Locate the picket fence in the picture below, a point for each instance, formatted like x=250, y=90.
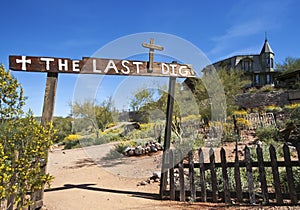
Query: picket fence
x=248, y=183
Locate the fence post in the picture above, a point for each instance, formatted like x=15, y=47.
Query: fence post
x=237, y=177
x=249, y=176
x=192, y=175
x=225, y=176
x=171, y=171
x=289, y=173
x=275, y=173
x=202, y=176
x=262, y=175
x=181, y=176
x=213, y=175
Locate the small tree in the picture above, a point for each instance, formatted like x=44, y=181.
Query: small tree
x=23, y=146
x=98, y=116
x=289, y=64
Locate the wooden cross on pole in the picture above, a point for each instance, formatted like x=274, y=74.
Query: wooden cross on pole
x=169, y=113
x=151, y=47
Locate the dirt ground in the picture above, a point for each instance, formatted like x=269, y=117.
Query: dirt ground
x=84, y=181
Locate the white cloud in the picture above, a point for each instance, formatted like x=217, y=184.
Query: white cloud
x=243, y=29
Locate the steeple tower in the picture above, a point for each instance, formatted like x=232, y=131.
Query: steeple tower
x=267, y=57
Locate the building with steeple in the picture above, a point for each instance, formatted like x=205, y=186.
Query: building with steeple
x=257, y=68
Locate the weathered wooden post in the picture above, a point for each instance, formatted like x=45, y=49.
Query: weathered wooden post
x=167, y=140
x=170, y=104
x=47, y=116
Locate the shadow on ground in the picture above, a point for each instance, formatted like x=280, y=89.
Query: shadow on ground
x=152, y=196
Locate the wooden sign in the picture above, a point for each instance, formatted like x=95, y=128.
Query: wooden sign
x=98, y=66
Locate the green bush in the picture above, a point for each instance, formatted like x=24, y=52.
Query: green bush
x=72, y=144
x=266, y=134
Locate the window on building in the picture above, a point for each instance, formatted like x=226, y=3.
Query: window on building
x=257, y=79
x=247, y=66
x=272, y=63
x=268, y=79
x=267, y=62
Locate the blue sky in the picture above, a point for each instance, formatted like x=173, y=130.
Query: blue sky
x=74, y=29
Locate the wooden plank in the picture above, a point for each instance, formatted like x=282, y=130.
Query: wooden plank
x=262, y=175
x=225, y=176
x=202, y=176
x=171, y=172
x=102, y=66
x=192, y=175
x=275, y=173
x=181, y=176
x=237, y=178
x=242, y=164
x=249, y=176
x=167, y=140
x=213, y=175
x=289, y=173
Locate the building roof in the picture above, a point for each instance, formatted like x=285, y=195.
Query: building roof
x=289, y=75
x=266, y=48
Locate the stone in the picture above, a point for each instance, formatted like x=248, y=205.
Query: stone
x=158, y=146
x=130, y=153
x=156, y=175
x=143, y=183
x=153, y=149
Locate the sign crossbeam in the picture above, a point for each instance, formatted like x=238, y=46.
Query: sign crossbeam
x=107, y=66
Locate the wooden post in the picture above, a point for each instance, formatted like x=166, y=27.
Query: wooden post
x=181, y=176
x=213, y=172
x=225, y=176
x=262, y=175
x=49, y=98
x=275, y=172
x=289, y=173
x=47, y=115
x=171, y=169
x=249, y=176
x=168, y=129
x=192, y=175
x=202, y=176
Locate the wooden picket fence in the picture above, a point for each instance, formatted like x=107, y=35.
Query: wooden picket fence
x=211, y=181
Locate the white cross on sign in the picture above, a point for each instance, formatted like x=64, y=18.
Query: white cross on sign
x=151, y=47
x=24, y=62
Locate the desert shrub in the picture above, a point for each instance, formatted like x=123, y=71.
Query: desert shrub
x=198, y=142
x=295, y=115
x=290, y=107
x=267, y=88
x=265, y=134
x=72, y=141
x=283, y=177
x=272, y=108
x=23, y=146
x=72, y=144
x=118, y=149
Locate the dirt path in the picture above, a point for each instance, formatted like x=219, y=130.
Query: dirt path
x=82, y=184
